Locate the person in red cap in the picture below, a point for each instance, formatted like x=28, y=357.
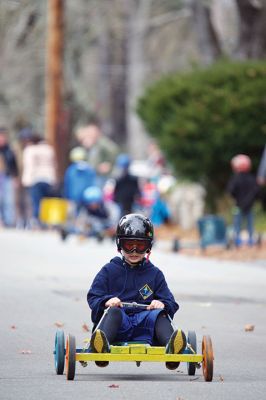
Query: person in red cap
x=244, y=189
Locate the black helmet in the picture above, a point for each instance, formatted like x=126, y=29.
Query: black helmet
x=134, y=226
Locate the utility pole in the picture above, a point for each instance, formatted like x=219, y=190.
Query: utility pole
x=54, y=79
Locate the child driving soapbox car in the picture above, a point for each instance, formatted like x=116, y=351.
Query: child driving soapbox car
x=132, y=351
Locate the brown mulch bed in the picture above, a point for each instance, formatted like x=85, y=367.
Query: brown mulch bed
x=244, y=253
x=189, y=241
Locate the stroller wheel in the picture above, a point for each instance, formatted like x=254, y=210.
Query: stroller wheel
x=99, y=237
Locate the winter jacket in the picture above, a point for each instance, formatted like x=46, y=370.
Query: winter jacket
x=78, y=177
x=9, y=161
x=244, y=189
x=39, y=164
x=126, y=191
x=140, y=284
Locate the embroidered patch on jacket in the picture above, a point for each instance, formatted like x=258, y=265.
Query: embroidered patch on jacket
x=146, y=291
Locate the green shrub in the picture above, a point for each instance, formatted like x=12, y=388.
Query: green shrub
x=203, y=118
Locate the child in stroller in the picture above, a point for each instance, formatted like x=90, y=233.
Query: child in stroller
x=96, y=217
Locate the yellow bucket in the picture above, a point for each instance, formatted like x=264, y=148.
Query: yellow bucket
x=53, y=211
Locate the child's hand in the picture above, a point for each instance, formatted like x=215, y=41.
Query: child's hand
x=113, y=302
x=155, y=304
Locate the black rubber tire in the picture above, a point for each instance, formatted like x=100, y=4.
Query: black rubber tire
x=70, y=357
x=192, y=340
x=59, y=352
x=207, y=363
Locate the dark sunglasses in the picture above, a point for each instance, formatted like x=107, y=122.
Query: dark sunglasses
x=139, y=246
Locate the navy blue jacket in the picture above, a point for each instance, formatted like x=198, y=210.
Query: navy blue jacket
x=140, y=284
x=9, y=160
x=244, y=189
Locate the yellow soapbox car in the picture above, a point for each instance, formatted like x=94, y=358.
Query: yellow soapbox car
x=67, y=353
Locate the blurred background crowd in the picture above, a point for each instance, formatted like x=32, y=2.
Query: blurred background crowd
x=101, y=183
x=100, y=180
x=138, y=106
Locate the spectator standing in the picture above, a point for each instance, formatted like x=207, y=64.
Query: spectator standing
x=8, y=181
x=38, y=173
x=244, y=189
x=126, y=188
x=101, y=151
x=78, y=176
x=24, y=138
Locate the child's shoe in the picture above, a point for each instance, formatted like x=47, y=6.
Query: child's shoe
x=176, y=345
x=99, y=344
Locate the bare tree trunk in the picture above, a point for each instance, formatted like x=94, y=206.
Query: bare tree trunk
x=104, y=88
x=118, y=101
x=208, y=43
x=252, y=29
x=123, y=69
x=139, y=17
x=111, y=104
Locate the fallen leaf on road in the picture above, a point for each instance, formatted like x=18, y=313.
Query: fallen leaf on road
x=221, y=379
x=249, y=328
x=85, y=328
x=59, y=324
x=113, y=386
x=25, y=352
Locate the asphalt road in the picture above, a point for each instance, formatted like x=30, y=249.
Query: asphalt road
x=43, y=283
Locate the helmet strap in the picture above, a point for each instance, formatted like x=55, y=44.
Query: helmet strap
x=148, y=255
x=118, y=246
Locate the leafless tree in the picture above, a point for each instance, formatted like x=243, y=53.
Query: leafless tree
x=252, y=29
x=207, y=39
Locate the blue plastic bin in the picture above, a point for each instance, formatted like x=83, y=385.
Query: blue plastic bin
x=212, y=230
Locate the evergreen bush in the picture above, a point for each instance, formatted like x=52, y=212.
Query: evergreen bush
x=203, y=118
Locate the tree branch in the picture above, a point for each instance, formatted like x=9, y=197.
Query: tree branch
x=169, y=17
